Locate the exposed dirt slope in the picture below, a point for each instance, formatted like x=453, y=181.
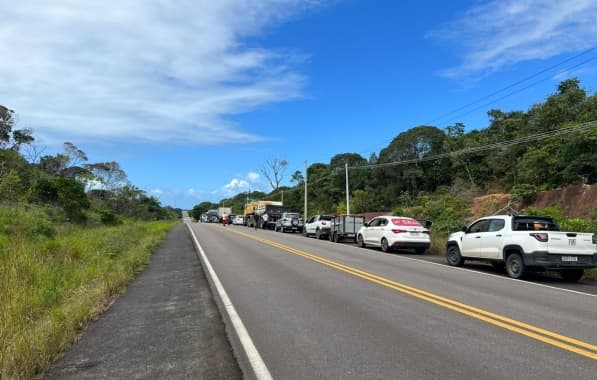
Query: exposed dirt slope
x=575, y=201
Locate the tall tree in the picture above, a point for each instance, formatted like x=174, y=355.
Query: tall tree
x=10, y=139
x=274, y=170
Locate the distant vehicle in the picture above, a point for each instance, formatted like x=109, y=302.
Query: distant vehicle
x=238, y=220
x=211, y=216
x=345, y=227
x=289, y=221
x=254, y=212
x=388, y=232
x=319, y=226
x=524, y=243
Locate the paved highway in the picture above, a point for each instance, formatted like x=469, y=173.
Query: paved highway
x=319, y=310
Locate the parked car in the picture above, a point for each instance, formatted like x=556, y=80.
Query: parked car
x=524, y=243
x=289, y=221
x=388, y=232
x=319, y=226
x=238, y=220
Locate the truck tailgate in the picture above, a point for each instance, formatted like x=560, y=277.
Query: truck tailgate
x=571, y=243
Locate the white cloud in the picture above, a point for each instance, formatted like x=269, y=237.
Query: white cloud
x=236, y=184
x=502, y=33
x=253, y=177
x=146, y=71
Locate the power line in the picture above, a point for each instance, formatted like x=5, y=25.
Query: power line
x=515, y=84
x=529, y=138
x=523, y=88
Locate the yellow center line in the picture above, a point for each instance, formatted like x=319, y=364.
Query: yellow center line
x=570, y=344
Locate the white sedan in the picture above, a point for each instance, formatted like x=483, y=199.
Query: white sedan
x=389, y=232
x=239, y=220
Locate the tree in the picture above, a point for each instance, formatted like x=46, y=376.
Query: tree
x=109, y=174
x=274, y=171
x=297, y=177
x=72, y=198
x=70, y=164
x=10, y=139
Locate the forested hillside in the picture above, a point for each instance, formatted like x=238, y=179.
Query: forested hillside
x=433, y=172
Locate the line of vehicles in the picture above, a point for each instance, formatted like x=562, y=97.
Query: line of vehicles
x=520, y=244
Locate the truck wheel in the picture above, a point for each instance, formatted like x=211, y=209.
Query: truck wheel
x=572, y=274
x=336, y=237
x=384, y=245
x=454, y=257
x=515, y=266
x=305, y=234
x=317, y=234
x=360, y=241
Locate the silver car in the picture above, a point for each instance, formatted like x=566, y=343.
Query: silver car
x=289, y=221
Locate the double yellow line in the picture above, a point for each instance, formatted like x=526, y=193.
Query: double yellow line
x=569, y=344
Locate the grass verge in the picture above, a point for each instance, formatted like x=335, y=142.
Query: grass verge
x=54, y=281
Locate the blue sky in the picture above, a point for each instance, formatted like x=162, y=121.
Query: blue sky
x=192, y=97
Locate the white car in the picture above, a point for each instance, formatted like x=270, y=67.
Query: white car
x=388, y=232
x=238, y=219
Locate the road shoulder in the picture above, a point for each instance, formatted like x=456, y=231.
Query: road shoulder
x=165, y=326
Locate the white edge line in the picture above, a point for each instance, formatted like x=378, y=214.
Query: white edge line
x=257, y=364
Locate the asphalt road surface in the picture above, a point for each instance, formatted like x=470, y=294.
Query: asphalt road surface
x=299, y=308
x=314, y=309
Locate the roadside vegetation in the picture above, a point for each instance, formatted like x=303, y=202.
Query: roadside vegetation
x=72, y=236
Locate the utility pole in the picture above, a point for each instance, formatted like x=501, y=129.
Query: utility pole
x=282, y=196
x=347, y=193
x=306, y=192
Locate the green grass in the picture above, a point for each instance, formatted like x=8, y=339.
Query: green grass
x=55, y=278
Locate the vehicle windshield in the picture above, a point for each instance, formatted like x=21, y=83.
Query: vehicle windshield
x=326, y=217
x=294, y=215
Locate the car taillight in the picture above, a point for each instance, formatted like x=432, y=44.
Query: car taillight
x=398, y=231
x=542, y=237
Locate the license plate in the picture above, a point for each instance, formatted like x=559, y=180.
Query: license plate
x=569, y=258
x=414, y=234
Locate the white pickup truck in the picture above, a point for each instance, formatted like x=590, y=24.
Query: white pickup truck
x=524, y=243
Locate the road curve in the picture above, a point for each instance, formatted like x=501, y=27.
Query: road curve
x=315, y=309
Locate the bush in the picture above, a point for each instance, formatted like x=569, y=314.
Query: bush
x=525, y=192
x=108, y=217
x=448, y=212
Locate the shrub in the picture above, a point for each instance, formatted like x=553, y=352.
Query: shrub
x=525, y=192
